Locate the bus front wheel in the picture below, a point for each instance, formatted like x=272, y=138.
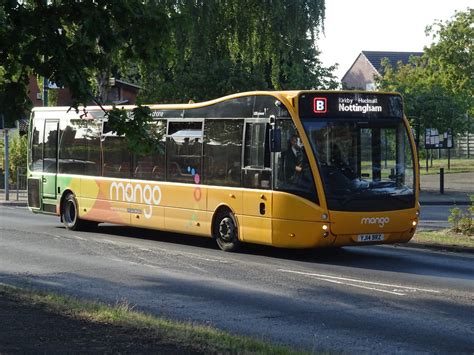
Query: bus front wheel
x=70, y=215
x=226, y=232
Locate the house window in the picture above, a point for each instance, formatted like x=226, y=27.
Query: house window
x=114, y=94
x=370, y=86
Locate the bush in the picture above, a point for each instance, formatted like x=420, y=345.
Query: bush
x=18, y=154
x=461, y=221
x=18, y=150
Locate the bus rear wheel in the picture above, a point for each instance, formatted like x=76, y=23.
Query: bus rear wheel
x=70, y=215
x=226, y=232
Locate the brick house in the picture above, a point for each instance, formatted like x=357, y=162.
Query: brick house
x=120, y=92
x=368, y=65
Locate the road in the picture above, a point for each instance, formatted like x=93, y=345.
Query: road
x=435, y=217
x=368, y=299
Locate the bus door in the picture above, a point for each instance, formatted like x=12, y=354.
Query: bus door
x=50, y=158
x=257, y=180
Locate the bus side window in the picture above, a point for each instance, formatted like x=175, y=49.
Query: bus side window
x=36, y=162
x=116, y=157
x=50, y=151
x=184, y=152
x=291, y=165
x=223, y=152
x=256, y=171
x=72, y=148
x=93, y=149
x=79, y=147
x=152, y=166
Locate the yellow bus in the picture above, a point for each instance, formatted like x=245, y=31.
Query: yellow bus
x=290, y=169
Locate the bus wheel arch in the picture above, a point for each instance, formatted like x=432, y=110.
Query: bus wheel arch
x=69, y=211
x=225, y=229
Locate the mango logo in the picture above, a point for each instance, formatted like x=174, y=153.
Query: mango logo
x=381, y=221
x=136, y=194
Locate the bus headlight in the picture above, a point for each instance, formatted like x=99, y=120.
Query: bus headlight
x=414, y=223
x=325, y=228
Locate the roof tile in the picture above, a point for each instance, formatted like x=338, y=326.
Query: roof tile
x=375, y=58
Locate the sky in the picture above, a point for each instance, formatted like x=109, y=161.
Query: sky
x=377, y=25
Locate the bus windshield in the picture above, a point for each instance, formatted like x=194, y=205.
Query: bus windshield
x=364, y=165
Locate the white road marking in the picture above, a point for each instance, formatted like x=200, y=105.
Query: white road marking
x=130, y=262
x=144, y=249
x=364, y=287
x=80, y=238
x=345, y=280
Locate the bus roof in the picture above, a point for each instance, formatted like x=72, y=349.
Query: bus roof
x=287, y=95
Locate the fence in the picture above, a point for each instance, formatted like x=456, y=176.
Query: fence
x=17, y=186
x=465, y=146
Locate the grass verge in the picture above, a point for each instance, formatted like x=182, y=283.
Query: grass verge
x=456, y=166
x=192, y=337
x=443, y=237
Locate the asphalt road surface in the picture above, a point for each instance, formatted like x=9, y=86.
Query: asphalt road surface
x=435, y=217
x=368, y=299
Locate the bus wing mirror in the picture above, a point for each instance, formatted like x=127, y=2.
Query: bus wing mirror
x=275, y=143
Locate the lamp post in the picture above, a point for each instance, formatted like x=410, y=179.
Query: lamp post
x=45, y=91
x=7, y=163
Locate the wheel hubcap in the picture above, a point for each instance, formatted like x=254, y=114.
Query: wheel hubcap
x=227, y=229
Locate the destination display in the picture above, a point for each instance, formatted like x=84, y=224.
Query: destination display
x=350, y=105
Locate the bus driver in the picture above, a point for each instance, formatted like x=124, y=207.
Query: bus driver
x=293, y=160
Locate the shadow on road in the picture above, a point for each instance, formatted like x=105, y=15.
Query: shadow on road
x=311, y=309
x=381, y=258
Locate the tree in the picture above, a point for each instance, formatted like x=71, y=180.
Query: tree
x=18, y=152
x=72, y=43
x=438, y=86
x=17, y=155
x=428, y=104
x=452, y=52
x=221, y=47
x=180, y=50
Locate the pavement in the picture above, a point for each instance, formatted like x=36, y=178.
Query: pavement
x=457, y=189
x=20, y=200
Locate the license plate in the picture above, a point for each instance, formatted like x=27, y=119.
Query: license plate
x=370, y=237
